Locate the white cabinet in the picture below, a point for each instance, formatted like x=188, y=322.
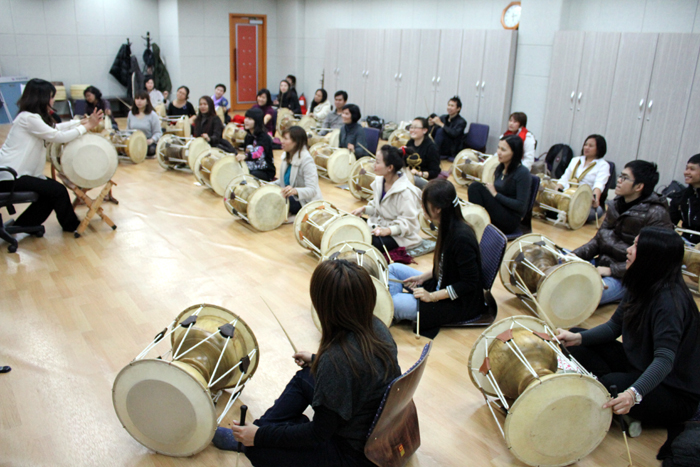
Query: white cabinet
x=427, y=72
x=387, y=77
x=690, y=142
x=471, y=65
x=447, y=75
x=408, y=75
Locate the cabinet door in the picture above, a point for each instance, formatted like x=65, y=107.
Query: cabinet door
x=497, y=83
x=471, y=65
x=447, y=81
x=388, y=76
x=330, y=59
x=356, y=68
x=408, y=75
x=344, y=76
x=635, y=62
x=427, y=71
x=373, y=74
x=690, y=142
x=667, y=101
x=594, y=86
x=563, y=84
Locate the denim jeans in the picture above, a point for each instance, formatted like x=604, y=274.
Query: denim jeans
x=405, y=304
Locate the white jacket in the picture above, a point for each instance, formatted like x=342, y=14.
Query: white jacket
x=528, y=150
x=398, y=210
x=597, y=177
x=303, y=176
x=322, y=110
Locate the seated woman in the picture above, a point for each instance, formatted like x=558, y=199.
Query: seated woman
x=265, y=104
x=94, y=101
x=451, y=292
x=298, y=174
x=24, y=151
x=352, y=135
x=394, y=208
x=506, y=199
x=320, y=107
x=207, y=124
x=655, y=367
x=143, y=117
x=154, y=95
x=589, y=169
x=258, y=147
x=344, y=382
x=181, y=106
x=516, y=126
x=421, y=144
x=288, y=99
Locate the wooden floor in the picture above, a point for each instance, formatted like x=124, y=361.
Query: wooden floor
x=74, y=312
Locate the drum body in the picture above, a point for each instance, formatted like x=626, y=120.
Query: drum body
x=88, y=161
x=161, y=111
x=573, y=205
x=470, y=166
x=476, y=216
x=258, y=203
x=319, y=225
x=307, y=122
x=234, y=134
x=178, y=126
x=361, y=178
x=332, y=138
x=399, y=137
x=285, y=120
x=566, y=290
x=333, y=163
x=691, y=261
x=365, y=255
x=130, y=143
x=554, y=406
x=167, y=405
x=178, y=153
x=216, y=168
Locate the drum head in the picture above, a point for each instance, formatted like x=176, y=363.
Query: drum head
x=359, y=184
x=214, y=153
x=570, y=293
x=512, y=251
x=160, y=110
x=399, y=137
x=489, y=173
x=478, y=352
x=89, y=161
x=383, y=308
x=558, y=420
x=162, y=143
x=345, y=229
x=229, y=133
x=457, y=165
x=339, y=165
x=137, y=147
x=333, y=138
x=165, y=406
x=195, y=148
x=285, y=119
x=307, y=122
x=358, y=246
x=267, y=208
x=304, y=212
x=225, y=170
x=579, y=207
x=477, y=217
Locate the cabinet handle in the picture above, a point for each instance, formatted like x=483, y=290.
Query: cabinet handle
x=433, y=80
x=651, y=102
x=438, y=80
x=477, y=85
x=573, y=94
x=580, y=94
x=483, y=83
x=396, y=76
x=367, y=75
x=641, y=104
x=400, y=75
x=641, y=109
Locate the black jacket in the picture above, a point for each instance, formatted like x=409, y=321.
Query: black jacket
x=160, y=72
x=290, y=100
x=453, y=135
x=121, y=68
x=461, y=269
x=265, y=141
x=430, y=157
x=687, y=210
x=211, y=125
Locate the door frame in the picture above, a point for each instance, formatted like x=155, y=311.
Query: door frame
x=237, y=18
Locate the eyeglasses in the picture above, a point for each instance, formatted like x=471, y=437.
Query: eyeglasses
x=625, y=178
x=413, y=127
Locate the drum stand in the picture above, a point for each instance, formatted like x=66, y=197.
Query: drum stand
x=561, y=215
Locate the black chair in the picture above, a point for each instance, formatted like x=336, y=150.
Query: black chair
x=372, y=137
x=8, y=200
x=612, y=182
x=526, y=224
x=477, y=137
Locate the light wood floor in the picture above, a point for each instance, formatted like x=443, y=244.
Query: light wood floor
x=74, y=312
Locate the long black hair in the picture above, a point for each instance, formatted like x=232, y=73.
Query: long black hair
x=657, y=266
x=36, y=98
x=440, y=193
x=324, y=98
x=265, y=92
x=257, y=116
x=516, y=145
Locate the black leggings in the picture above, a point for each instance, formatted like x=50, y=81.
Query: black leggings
x=294, y=205
x=503, y=218
x=53, y=196
x=380, y=242
x=151, y=149
x=262, y=175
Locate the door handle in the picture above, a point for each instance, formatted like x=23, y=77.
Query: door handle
x=580, y=94
x=483, y=84
x=651, y=102
x=433, y=80
x=400, y=75
x=438, y=80
x=573, y=93
x=641, y=109
x=396, y=76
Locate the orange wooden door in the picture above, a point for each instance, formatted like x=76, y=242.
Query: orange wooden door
x=248, y=38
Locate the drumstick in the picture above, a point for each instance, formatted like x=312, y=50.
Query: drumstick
x=368, y=151
x=623, y=424
x=418, y=324
x=278, y=322
x=391, y=261
x=398, y=281
x=244, y=411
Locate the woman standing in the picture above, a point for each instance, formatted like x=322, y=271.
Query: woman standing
x=352, y=135
x=452, y=291
x=320, y=107
x=288, y=98
x=298, y=174
x=25, y=152
x=181, y=106
x=264, y=103
x=395, y=205
x=258, y=147
x=590, y=169
x=344, y=382
x=657, y=365
x=142, y=117
x=506, y=199
x=207, y=124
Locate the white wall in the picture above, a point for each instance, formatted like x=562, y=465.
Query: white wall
x=74, y=41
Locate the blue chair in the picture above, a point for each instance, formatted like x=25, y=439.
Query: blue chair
x=394, y=435
x=79, y=107
x=526, y=224
x=477, y=137
x=372, y=136
x=492, y=248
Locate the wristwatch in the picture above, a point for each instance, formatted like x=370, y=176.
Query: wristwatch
x=637, y=396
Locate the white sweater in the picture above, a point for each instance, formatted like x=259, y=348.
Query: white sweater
x=321, y=111
x=399, y=210
x=25, y=151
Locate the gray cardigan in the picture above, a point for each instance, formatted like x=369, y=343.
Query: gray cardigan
x=354, y=134
x=303, y=176
x=149, y=124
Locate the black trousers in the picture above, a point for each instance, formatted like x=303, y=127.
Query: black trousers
x=53, y=196
x=294, y=205
x=380, y=242
x=503, y=218
x=289, y=410
x=664, y=406
x=262, y=175
x=151, y=149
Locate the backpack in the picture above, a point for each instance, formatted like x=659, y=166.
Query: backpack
x=558, y=159
x=375, y=122
x=673, y=193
